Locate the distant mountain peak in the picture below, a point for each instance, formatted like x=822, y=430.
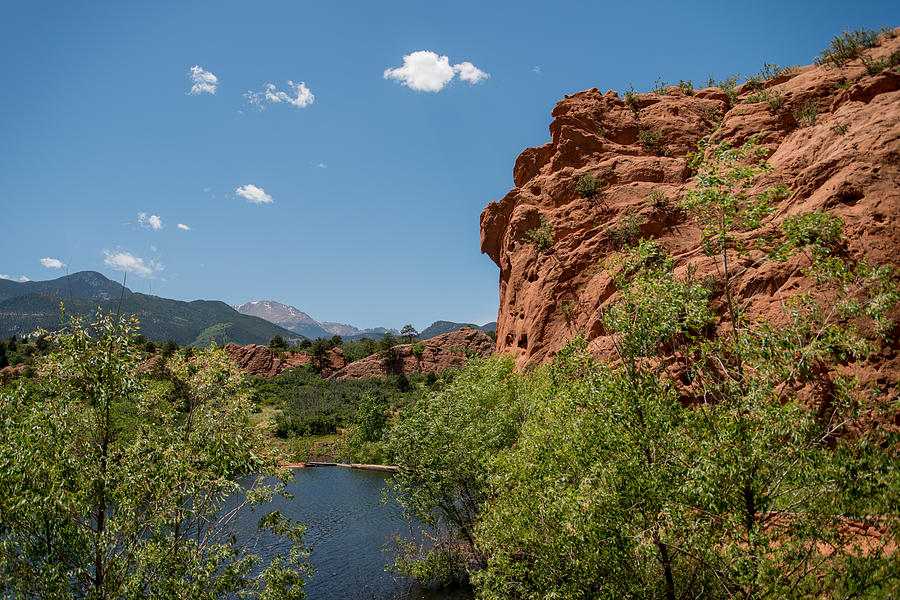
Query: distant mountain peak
x=290, y=317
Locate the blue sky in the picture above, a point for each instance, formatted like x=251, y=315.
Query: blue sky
x=353, y=192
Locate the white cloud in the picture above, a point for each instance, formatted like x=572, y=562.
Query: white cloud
x=469, y=72
x=52, y=263
x=321, y=166
x=301, y=97
x=203, y=81
x=23, y=278
x=183, y=227
x=152, y=222
x=2, y=276
x=253, y=194
x=126, y=261
x=536, y=69
x=425, y=71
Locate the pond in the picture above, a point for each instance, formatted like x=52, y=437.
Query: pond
x=348, y=529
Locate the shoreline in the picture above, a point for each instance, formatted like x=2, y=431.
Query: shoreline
x=358, y=466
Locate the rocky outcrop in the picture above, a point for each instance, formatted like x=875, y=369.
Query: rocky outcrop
x=447, y=351
x=9, y=372
x=261, y=361
x=333, y=361
x=843, y=156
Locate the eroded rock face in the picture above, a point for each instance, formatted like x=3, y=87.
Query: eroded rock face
x=447, y=351
x=847, y=162
x=261, y=361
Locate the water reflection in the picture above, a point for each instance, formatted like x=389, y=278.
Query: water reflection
x=348, y=528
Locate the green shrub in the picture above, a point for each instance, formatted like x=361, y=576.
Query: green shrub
x=874, y=67
x=844, y=85
x=754, y=82
x=658, y=199
x=806, y=116
x=727, y=85
x=686, y=86
x=840, y=128
x=648, y=138
x=771, y=70
x=847, y=46
x=541, y=237
x=660, y=87
x=631, y=100
x=588, y=185
x=818, y=230
x=626, y=230
x=774, y=101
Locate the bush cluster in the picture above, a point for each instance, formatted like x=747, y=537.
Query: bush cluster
x=541, y=237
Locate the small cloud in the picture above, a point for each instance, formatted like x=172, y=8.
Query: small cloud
x=469, y=72
x=183, y=227
x=321, y=166
x=152, y=248
x=203, y=81
x=23, y=278
x=7, y=277
x=425, y=71
x=301, y=97
x=152, y=222
x=536, y=69
x=126, y=261
x=52, y=263
x=253, y=194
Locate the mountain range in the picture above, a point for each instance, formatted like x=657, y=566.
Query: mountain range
x=26, y=307
x=298, y=321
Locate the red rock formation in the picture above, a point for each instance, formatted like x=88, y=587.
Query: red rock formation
x=333, y=361
x=847, y=162
x=447, y=351
x=9, y=372
x=261, y=361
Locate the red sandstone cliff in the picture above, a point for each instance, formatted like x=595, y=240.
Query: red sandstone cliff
x=447, y=351
x=847, y=162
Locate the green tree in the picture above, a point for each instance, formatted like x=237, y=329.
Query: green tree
x=409, y=332
x=387, y=341
x=278, y=343
x=318, y=351
x=111, y=490
x=442, y=447
x=169, y=348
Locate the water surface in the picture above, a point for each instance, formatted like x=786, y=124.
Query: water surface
x=348, y=528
